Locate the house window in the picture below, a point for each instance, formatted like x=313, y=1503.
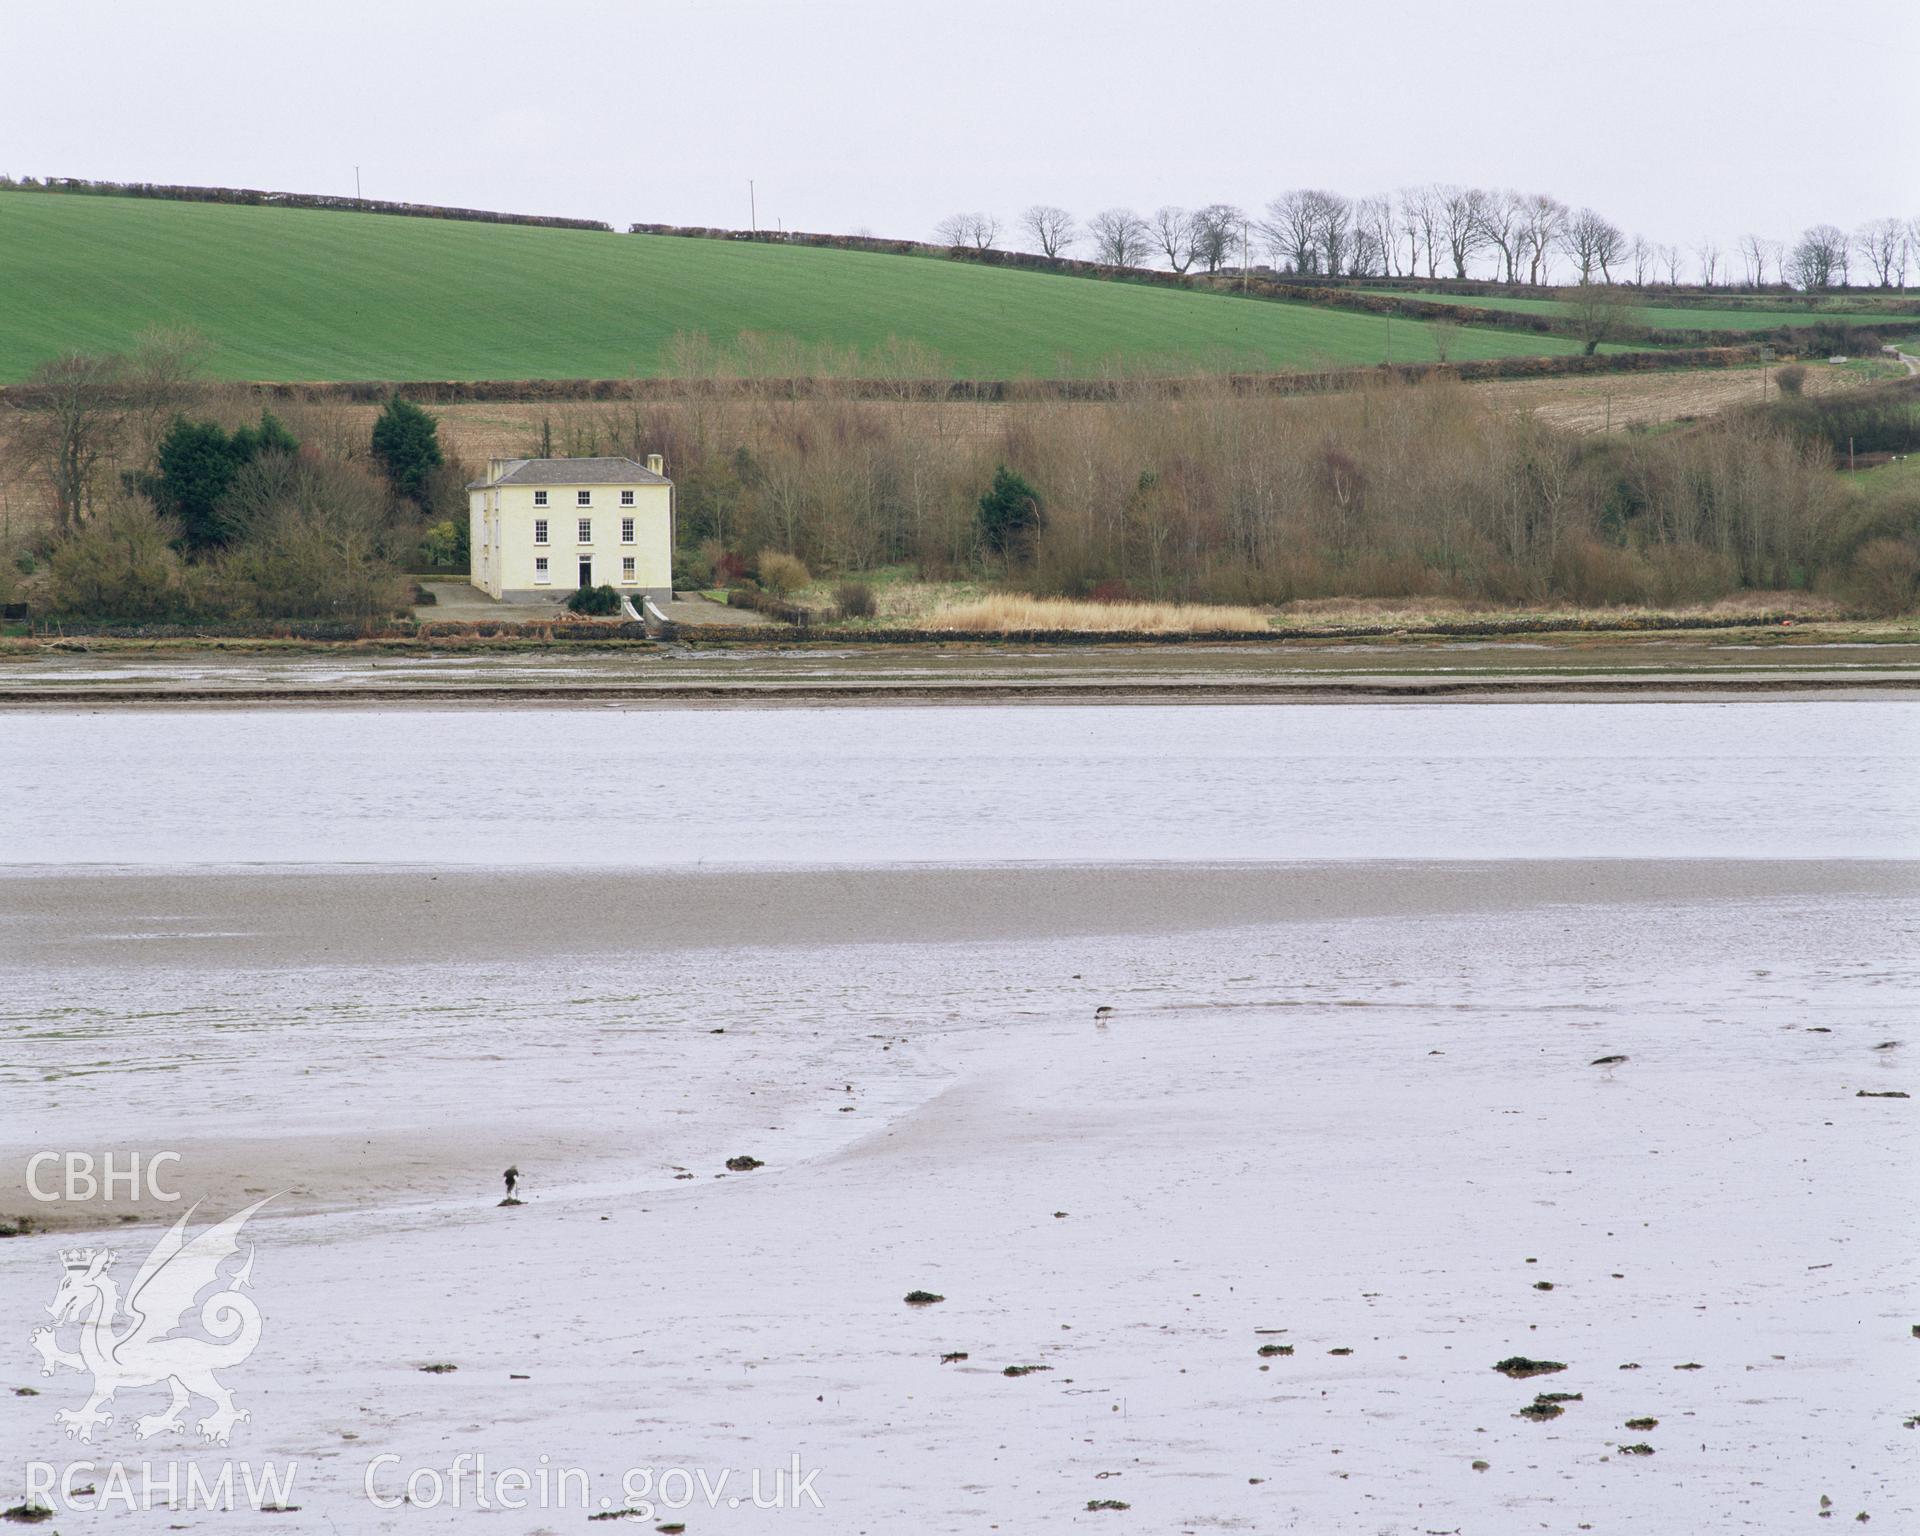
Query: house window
x=626, y=498
x=583, y=498
x=586, y=530
x=539, y=498
x=626, y=530
x=540, y=570
x=539, y=530
x=626, y=568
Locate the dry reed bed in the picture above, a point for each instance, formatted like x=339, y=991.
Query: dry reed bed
x=1005, y=613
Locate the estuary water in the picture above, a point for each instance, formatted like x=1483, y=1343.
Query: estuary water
x=637, y=788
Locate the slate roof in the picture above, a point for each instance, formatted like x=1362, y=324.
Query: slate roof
x=620, y=471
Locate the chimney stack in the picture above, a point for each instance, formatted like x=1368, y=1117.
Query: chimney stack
x=493, y=470
x=656, y=464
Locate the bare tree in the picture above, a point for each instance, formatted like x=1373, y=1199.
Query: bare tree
x=1545, y=222
x=1709, y=255
x=1882, y=246
x=1375, y=229
x=76, y=423
x=1292, y=230
x=1335, y=231
x=1670, y=260
x=1599, y=312
x=1410, y=238
x=1463, y=224
x=1308, y=229
x=1173, y=231
x=1757, y=254
x=978, y=230
x=1120, y=237
x=161, y=377
x=1610, y=248
x=1502, y=216
x=1774, y=251
x=1366, y=256
x=318, y=545
x=1374, y=232
x=1216, y=234
x=1642, y=256
x=1820, y=258
x=1051, y=227
x=1594, y=244
x=1420, y=213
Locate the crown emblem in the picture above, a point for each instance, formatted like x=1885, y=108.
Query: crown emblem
x=77, y=1258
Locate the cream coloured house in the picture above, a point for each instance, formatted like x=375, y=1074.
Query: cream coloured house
x=543, y=528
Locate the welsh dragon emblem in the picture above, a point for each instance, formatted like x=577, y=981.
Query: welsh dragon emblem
x=160, y=1341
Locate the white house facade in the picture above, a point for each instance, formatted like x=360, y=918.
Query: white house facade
x=544, y=528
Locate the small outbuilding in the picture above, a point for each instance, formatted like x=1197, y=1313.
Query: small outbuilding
x=544, y=528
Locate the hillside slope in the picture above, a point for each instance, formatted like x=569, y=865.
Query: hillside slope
x=304, y=295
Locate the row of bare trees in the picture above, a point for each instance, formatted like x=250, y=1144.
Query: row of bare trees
x=1825, y=256
x=1444, y=230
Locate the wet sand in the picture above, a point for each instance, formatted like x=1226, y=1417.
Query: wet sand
x=1342, y=1107
x=363, y=916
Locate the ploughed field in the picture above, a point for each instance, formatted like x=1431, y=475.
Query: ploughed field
x=297, y=294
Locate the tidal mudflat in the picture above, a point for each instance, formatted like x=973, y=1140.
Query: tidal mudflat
x=1267, y=1153
x=1835, y=662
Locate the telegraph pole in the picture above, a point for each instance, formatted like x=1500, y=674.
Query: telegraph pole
x=356, y=183
x=753, y=207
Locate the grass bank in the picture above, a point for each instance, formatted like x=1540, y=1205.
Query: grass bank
x=1692, y=317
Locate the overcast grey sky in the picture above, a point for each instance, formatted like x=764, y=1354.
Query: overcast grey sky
x=1678, y=118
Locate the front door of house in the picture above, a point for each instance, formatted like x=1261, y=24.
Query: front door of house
x=586, y=571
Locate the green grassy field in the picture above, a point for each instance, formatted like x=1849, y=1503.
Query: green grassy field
x=296, y=294
x=1734, y=317
x=1884, y=482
